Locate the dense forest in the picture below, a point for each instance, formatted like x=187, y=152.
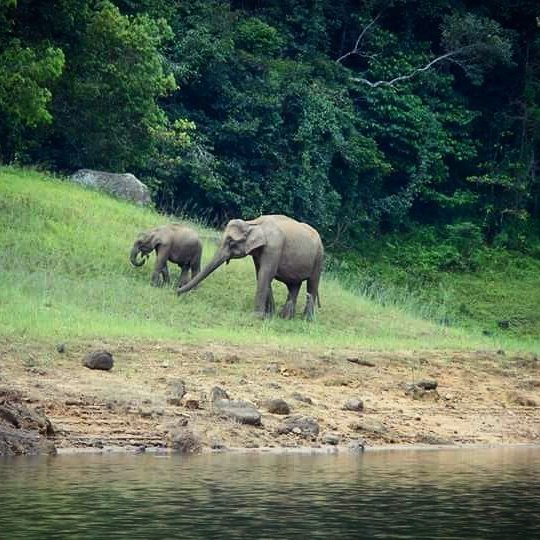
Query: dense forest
x=359, y=117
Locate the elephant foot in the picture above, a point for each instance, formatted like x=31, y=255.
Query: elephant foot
x=309, y=311
x=287, y=311
x=261, y=315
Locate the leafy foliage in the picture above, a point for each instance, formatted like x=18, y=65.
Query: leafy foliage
x=360, y=118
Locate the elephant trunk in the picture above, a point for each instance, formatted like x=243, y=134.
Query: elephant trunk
x=219, y=258
x=133, y=257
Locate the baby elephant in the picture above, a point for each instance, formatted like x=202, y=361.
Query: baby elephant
x=176, y=243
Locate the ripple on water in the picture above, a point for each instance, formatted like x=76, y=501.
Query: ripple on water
x=491, y=493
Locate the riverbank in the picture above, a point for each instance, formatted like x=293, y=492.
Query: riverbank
x=159, y=396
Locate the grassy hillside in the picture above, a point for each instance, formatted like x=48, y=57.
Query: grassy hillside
x=65, y=274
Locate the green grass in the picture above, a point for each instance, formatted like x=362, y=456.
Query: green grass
x=65, y=274
x=494, y=285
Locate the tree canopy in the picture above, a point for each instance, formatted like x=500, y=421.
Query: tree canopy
x=357, y=117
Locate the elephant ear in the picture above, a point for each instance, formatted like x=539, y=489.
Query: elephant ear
x=255, y=238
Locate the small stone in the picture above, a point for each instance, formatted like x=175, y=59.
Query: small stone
x=428, y=384
x=522, y=400
x=369, y=425
x=218, y=393
x=175, y=392
x=98, y=360
x=277, y=406
x=361, y=362
x=183, y=440
x=208, y=356
x=354, y=405
x=357, y=446
x=302, y=398
x=146, y=412
x=331, y=439
x=191, y=402
x=61, y=348
x=241, y=411
x=217, y=445
x=306, y=426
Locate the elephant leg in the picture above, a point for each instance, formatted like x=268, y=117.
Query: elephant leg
x=289, y=308
x=184, y=276
x=312, y=295
x=165, y=274
x=270, y=304
x=195, y=266
x=160, y=269
x=264, y=298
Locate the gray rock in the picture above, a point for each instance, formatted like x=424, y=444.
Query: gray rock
x=305, y=426
x=183, y=440
x=98, y=360
x=357, y=446
x=277, y=406
x=369, y=425
x=354, y=405
x=241, y=411
x=428, y=384
x=302, y=398
x=125, y=186
x=23, y=430
x=61, y=347
x=175, y=392
x=330, y=438
x=218, y=393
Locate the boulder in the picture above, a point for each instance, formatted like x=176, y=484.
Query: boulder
x=238, y=410
x=23, y=430
x=125, y=186
x=277, y=406
x=305, y=426
x=98, y=360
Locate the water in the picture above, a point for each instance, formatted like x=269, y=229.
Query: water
x=392, y=494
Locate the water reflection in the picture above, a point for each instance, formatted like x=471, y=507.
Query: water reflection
x=406, y=494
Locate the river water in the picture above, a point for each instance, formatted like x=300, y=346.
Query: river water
x=491, y=493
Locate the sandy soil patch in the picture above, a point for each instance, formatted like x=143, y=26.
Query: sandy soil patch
x=481, y=397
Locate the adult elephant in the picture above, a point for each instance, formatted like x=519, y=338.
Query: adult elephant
x=175, y=243
x=283, y=249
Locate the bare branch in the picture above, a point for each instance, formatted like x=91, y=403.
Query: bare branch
x=393, y=81
x=356, y=50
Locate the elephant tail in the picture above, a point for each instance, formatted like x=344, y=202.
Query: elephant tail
x=318, y=300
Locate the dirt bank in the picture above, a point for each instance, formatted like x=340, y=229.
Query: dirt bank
x=480, y=397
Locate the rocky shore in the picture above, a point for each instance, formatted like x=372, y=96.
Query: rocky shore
x=174, y=397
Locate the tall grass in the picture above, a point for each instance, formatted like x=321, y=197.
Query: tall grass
x=65, y=274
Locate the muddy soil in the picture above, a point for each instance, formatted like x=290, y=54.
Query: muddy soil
x=481, y=397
